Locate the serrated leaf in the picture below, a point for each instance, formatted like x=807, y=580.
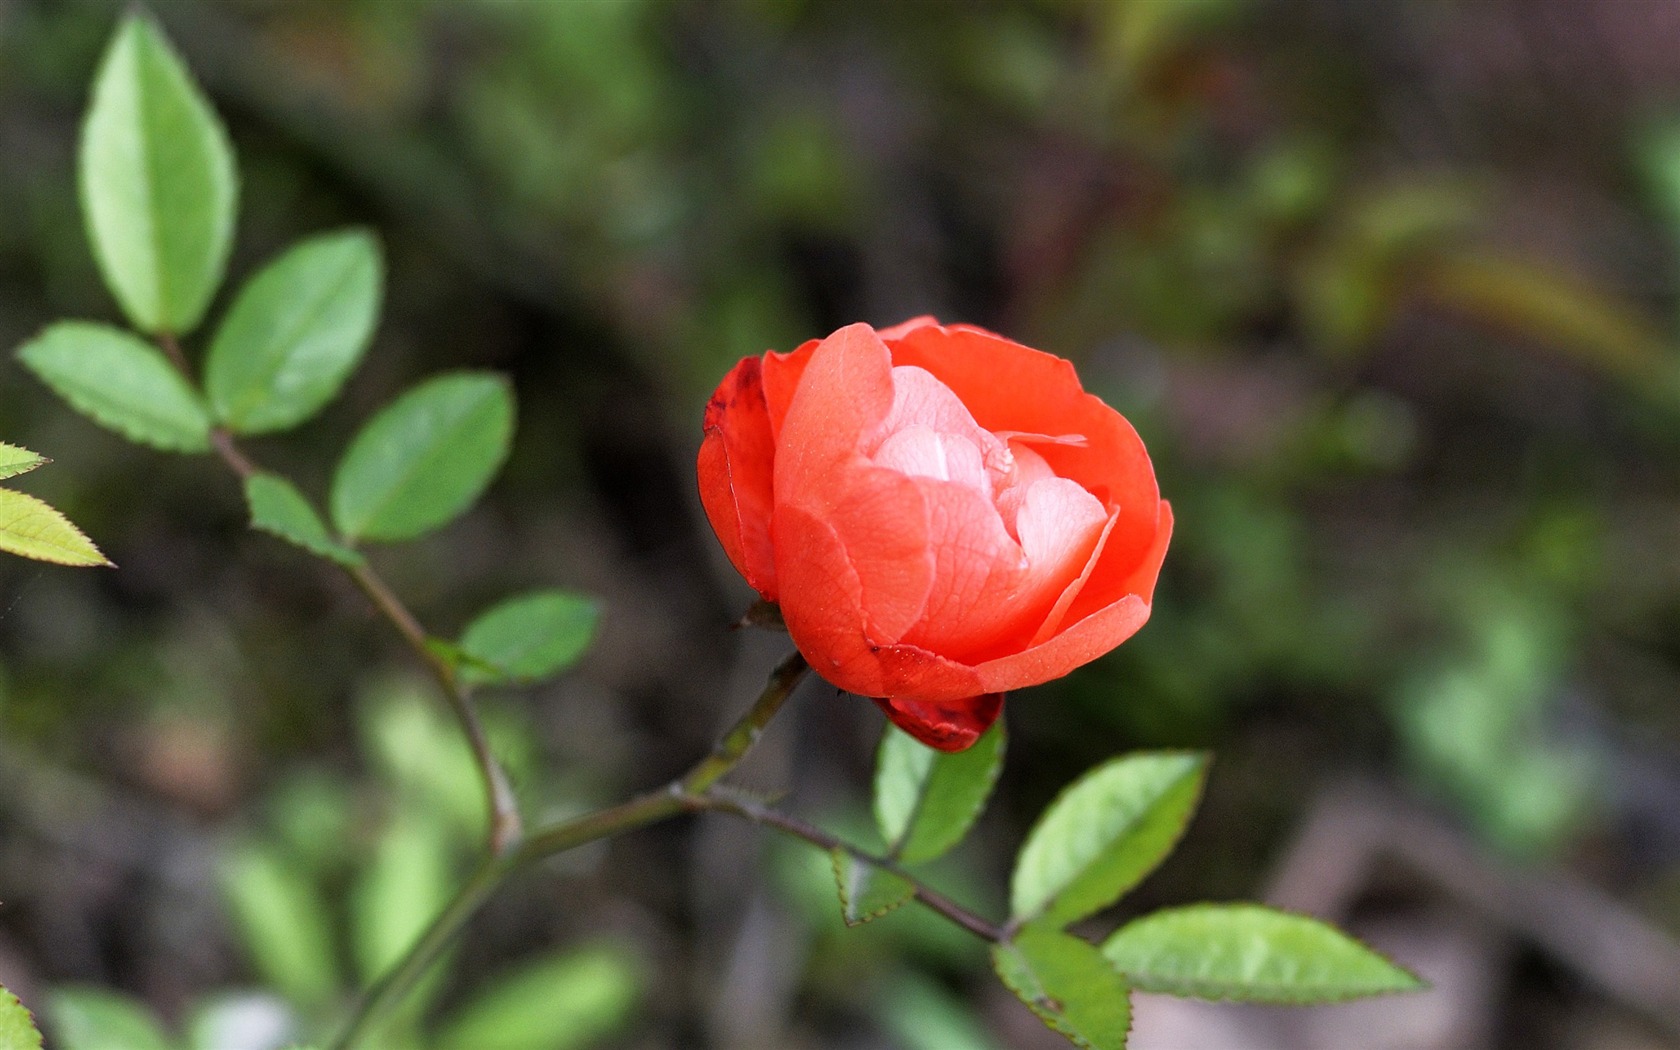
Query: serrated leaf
x=121, y=382
x=561, y=1002
x=926, y=800
x=158, y=185
x=15, y=460
x=1068, y=984
x=867, y=891
x=33, y=529
x=283, y=922
x=17, y=1027
x=424, y=459
x=1249, y=953
x=279, y=509
x=529, y=637
x=96, y=1019
x=1103, y=834
x=295, y=333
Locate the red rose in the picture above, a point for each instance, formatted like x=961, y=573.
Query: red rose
x=942, y=514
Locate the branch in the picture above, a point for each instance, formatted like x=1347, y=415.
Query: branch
x=788, y=824
x=650, y=808
x=505, y=827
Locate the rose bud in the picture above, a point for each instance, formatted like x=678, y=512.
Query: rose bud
x=942, y=514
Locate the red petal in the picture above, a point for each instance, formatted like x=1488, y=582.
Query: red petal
x=877, y=516
x=952, y=726
x=1013, y=388
x=1089, y=637
x=736, y=465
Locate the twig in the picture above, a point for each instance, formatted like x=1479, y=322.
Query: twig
x=791, y=825
x=505, y=826
x=649, y=808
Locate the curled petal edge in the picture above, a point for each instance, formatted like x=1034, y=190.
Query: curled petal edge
x=953, y=726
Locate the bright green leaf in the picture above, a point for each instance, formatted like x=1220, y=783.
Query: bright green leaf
x=1068, y=984
x=120, y=381
x=867, y=891
x=398, y=894
x=1103, y=834
x=562, y=1002
x=15, y=460
x=278, y=508
x=33, y=529
x=283, y=921
x=425, y=458
x=1249, y=953
x=158, y=184
x=17, y=1028
x=529, y=637
x=926, y=800
x=97, y=1019
x=295, y=333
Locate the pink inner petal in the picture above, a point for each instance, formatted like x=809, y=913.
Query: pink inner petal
x=922, y=452
x=1026, y=468
x=919, y=399
x=1059, y=524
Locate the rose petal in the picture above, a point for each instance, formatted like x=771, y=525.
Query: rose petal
x=1087, y=638
x=1008, y=387
x=831, y=632
x=735, y=464
x=877, y=515
x=947, y=726
x=920, y=452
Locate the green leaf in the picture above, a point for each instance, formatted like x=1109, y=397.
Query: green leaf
x=425, y=458
x=867, y=891
x=17, y=1028
x=121, y=382
x=158, y=184
x=295, y=333
x=1104, y=834
x=529, y=637
x=561, y=1002
x=15, y=460
x=96, y=1019
x=926, y=800
x=1068, y=984
x=278, y=508
x=283, y=920
x=1249, y=953
x=399, y=893
x=31, y=528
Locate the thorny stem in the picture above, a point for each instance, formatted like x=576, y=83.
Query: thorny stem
x=506, y=828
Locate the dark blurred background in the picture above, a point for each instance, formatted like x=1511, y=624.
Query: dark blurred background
x=1388, y=288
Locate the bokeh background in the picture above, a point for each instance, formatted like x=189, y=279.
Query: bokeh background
x=1389, y=288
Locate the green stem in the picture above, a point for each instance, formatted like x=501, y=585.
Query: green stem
x=506, y=828
x=650, y=808
x=396, y=983
x=788, y=824
x=744, y=733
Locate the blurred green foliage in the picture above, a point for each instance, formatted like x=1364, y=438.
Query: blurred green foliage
x=1401, y=342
